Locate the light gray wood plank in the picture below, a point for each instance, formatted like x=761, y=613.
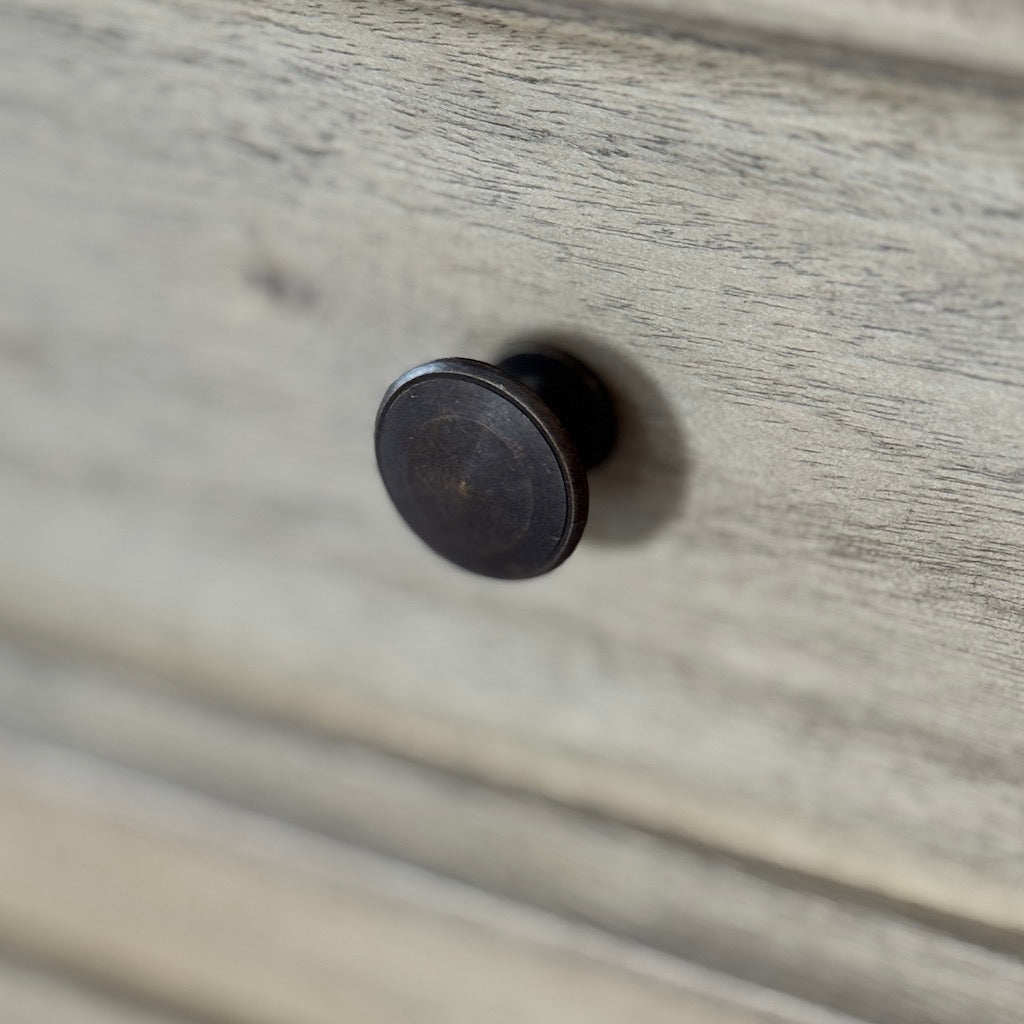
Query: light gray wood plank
x=742, y=919
x=227, y=227
x=985, y=36
x=236, y=917
x=29, y=995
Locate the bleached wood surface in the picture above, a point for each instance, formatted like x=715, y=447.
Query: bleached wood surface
x=30, y=995
x=794, y=635
x=984, y=36
x=235, y=917
x=818, y=944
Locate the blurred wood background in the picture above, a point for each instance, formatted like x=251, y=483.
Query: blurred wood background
x=753, y=754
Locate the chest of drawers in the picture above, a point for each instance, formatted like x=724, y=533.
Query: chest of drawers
x=761, y=735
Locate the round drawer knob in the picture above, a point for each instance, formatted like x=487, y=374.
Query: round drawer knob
x=487, y=464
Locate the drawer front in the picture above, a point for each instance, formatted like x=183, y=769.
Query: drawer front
x=793, y=631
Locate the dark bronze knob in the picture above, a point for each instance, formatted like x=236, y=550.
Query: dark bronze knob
x=487, y=464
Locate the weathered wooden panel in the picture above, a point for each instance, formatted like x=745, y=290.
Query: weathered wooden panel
x=795, y=633
x=968, y=35
x=238, y=918
x=29, y=995
x=820, y=944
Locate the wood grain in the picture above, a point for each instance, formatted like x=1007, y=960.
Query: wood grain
x=237, y=918
x=795, y=632
x=29, y=995
x=963, y=35
x=820, y=945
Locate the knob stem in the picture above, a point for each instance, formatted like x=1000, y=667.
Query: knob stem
x=575, y=395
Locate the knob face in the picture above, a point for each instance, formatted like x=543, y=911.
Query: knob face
x=481, y=468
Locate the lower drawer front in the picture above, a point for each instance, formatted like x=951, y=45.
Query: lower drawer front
x=168, y=853
x=234, y=918
x=793, y=632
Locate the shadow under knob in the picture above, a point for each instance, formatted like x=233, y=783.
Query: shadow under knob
x=487, y=464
